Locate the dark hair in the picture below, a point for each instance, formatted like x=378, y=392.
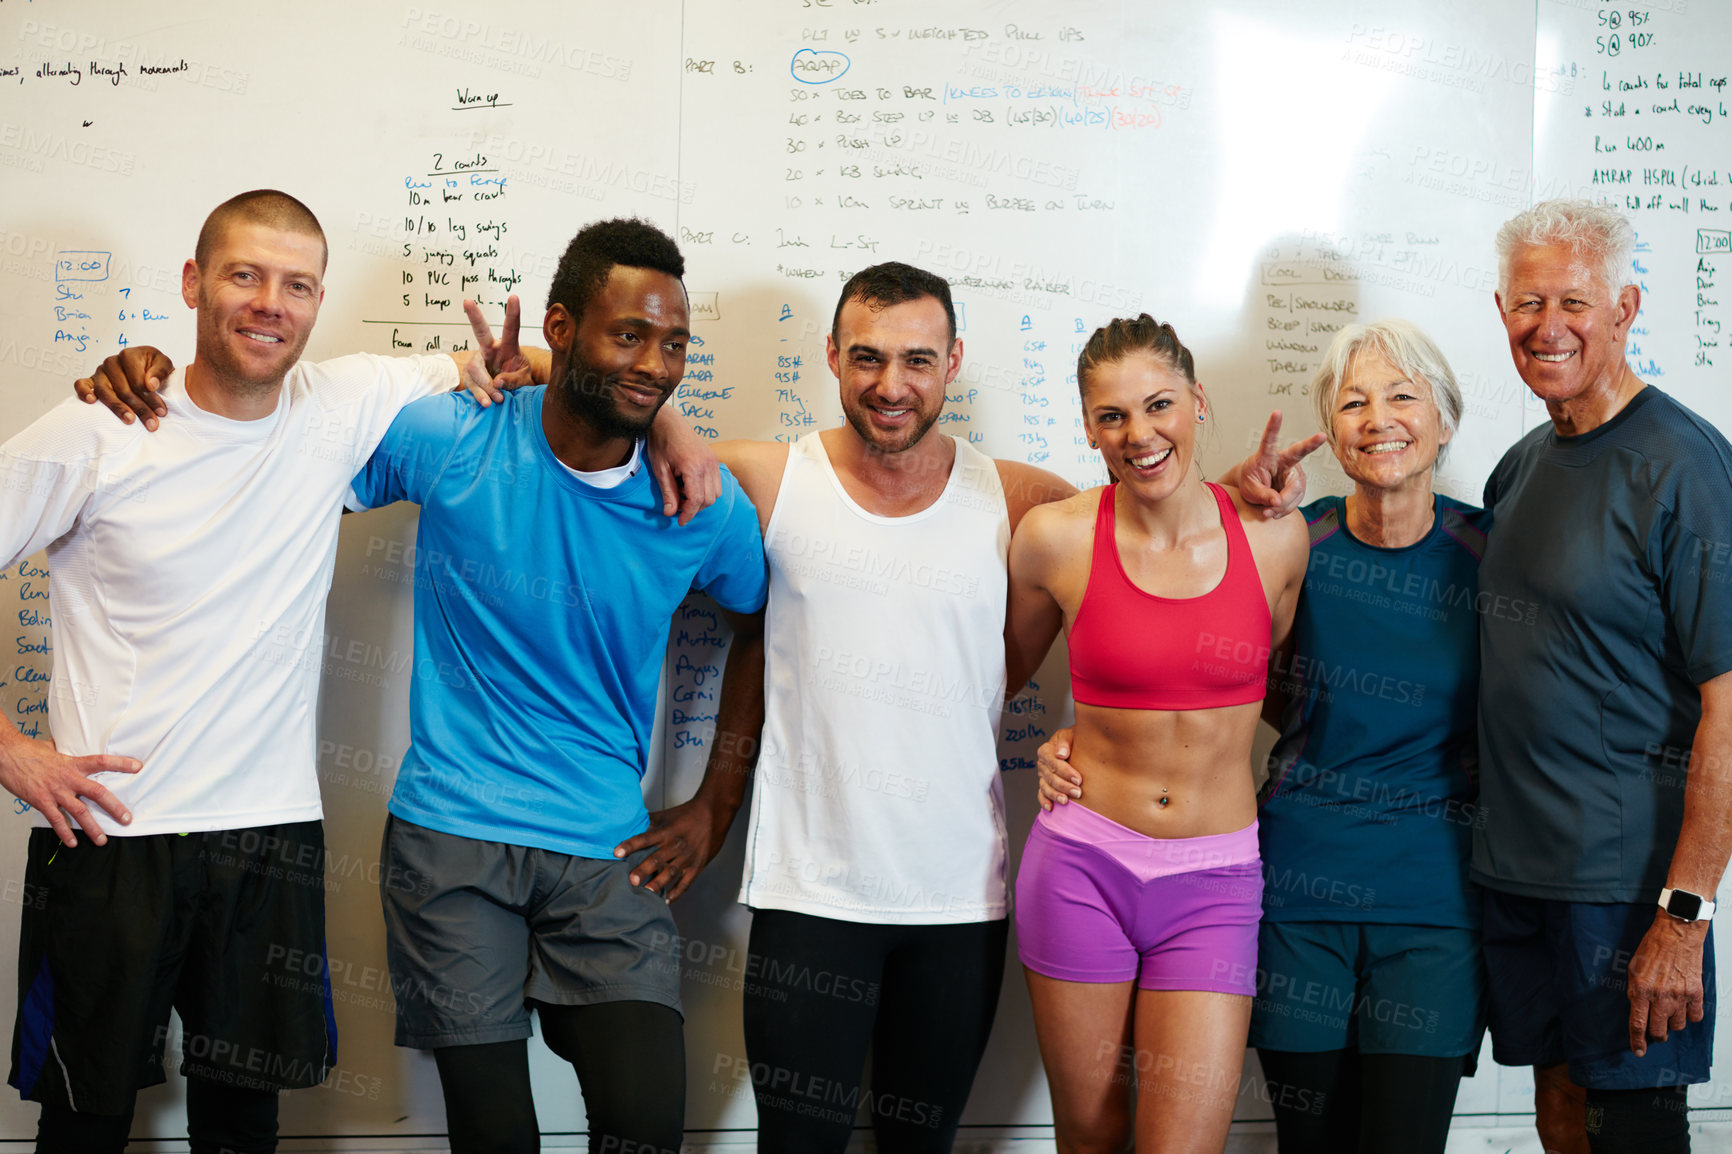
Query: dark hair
x=264, y=206
x=593, y=252
x=893, y=283
x=1120, y=338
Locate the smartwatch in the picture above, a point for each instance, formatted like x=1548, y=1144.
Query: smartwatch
x=1686, y=906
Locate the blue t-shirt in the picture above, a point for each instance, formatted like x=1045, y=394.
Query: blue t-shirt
x=1370, y=802
x=542, y=609
x=1611, y=579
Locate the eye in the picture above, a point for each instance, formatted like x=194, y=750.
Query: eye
x=628, y=337
x=243, y=275
x=1160, y=405
x=678, y=347
x=1355, y=403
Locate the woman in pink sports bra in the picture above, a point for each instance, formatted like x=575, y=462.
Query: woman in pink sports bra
x=1137, y=916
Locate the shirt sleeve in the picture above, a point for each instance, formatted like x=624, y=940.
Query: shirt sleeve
x=47, y=477
x=412, y=454
x=1695, y=561
x=363, y=393
x=734, y=572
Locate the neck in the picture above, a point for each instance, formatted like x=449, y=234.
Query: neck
x=1188, y=510
x=233, y=400
x=1392, y=518
x=578, y=443
x=923, y=465
x=1592, y=408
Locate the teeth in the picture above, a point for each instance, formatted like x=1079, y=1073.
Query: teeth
x=263, y=338
x=1553, y=358
x=893, y=412
x=1388, y=447
x=1150, y=460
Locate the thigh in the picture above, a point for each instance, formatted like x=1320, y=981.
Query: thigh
x=1421, y=991
x=1084, y=1031
x=941, y=986
x=630, y=1059
x=456, y=938
x=1523, y=1004
x=595, y=937
x=1307, y=976
x=1190, y=1051
x=1408, y=1100
x=1594, y=943
x=1198, y=930
x=1073, y=907
x=102, y=941
x=812, y=994
x=1315, y=1097
x=488, y=1105
x=255, y=994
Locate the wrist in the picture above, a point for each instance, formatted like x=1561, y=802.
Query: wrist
x=1685, y=905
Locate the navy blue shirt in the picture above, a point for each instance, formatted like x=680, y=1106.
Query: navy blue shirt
x=1370, y=801
x=1612, y=580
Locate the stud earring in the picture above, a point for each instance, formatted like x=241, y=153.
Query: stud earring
x=1201, y=418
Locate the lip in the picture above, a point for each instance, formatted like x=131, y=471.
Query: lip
x=250, y=334
x=1562, y=356
x=1370, y=449
x=1151, y=471
x=644, y=396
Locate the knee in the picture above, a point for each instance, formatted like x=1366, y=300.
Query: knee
x=1559, y=1106
x=1102, y=1136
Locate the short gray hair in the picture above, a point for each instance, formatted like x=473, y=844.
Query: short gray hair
x=1404, y=345
x=1593, y=231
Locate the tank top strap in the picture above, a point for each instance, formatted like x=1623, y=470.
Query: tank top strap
x=1106, y=523
x=1241, y=562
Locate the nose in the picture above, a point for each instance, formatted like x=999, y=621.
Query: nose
x=651, y=363
x=268, y=297
x=1552, y=323
x=1139, y=427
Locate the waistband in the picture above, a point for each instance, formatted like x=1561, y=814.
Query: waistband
x=1150, y=857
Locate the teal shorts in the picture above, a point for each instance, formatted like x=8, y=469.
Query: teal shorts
x=1378, y=989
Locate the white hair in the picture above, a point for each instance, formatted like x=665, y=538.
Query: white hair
x=1593, y=231
x=1404, y=345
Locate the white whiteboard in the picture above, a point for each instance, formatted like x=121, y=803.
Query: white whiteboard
x=1254, y=171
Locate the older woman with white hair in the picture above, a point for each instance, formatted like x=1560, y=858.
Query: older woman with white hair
x=1370, y=984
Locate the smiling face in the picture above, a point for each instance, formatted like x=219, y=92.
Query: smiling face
x=1387, y=428
x=1144, y=414
x=892, y=364
x=1566, y=327
x=257, y=296
x=616, y=365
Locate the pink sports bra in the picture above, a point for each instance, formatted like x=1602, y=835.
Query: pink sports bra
x=1133, y=650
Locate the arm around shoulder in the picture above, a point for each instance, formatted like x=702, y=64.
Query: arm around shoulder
x=1028, y=486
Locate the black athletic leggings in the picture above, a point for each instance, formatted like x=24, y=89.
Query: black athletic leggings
x=1345, y=1102
x=219, y=1120
x=819, y=992
x=630, y=1059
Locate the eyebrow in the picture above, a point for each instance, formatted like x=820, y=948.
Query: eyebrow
x=919, y=351
x=646, y=323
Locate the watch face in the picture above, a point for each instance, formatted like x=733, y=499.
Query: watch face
x=1684, y=905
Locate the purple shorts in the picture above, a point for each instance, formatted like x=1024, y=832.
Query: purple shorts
x=1096, y=902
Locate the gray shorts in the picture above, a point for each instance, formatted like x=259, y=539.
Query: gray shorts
x=496, y=926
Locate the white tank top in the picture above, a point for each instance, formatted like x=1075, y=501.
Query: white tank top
x=877, y=796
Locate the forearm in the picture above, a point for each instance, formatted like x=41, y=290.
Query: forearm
x=739, y=721
x=1705, y=838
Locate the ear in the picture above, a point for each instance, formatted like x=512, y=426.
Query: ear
x=1202, y=399
x=189, y=283
x=1629, y=304
x=559, y=328
x=833, y=355
x=955, y=365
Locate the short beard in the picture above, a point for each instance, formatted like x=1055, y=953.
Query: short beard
x=586, y=393
x=871, y=435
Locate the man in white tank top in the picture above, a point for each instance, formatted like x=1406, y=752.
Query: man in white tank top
x=875, y=855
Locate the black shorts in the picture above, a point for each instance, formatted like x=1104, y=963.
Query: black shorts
x=218, y=925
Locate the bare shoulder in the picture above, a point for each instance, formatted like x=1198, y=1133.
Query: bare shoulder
x=1064, y=522
x=756, y=465
x=1029, y=486
x=1283, y=540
